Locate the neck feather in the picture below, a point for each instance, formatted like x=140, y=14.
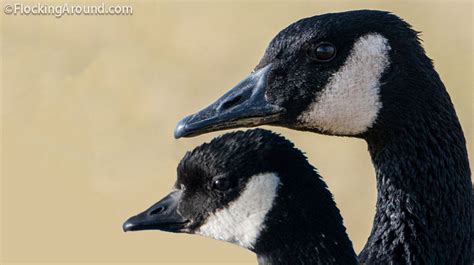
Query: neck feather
x=310, y=227
x=423, y=211
x=319, y=252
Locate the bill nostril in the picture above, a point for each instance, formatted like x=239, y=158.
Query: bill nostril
x=231, y=102
x=157, y=211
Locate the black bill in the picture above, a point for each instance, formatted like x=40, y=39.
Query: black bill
x=163, y=216
x=244, y=105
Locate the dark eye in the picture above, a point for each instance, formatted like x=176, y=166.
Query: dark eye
x=221, y=184
x=324, y=52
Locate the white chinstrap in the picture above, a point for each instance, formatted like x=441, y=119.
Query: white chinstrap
x=243, y=219
x=350, y=102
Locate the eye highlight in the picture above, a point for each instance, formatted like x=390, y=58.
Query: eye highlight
x=324, y=52
x=221, y=184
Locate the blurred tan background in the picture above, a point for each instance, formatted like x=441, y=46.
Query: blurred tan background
x=89, y=104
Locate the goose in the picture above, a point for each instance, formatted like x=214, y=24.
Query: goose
x=364, y=74
x=256, y=190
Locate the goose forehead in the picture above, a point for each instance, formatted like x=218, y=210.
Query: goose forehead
x=350, y=102
x=243, y=219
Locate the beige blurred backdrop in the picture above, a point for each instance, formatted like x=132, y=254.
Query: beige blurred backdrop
x=89, y=104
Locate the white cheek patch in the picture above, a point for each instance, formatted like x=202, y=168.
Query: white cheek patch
x=242, y=221
x=350, y=102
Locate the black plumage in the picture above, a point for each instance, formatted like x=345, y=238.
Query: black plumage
x=424, y=203
x=304, y=225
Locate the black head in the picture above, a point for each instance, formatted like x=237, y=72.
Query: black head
x=332, y=74
x=252, y=188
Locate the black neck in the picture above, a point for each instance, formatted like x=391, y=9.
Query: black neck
x=423, y=211
x=310, y=227
x=316, y=254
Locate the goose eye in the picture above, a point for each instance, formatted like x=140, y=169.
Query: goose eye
x=325, y=52
x=221, y=184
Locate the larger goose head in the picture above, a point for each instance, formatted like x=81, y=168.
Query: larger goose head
x=365, y=74
x=334, y=73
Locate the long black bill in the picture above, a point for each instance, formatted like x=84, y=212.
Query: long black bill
x=244, y=105
x=161, y=216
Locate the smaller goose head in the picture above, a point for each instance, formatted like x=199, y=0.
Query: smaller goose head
x=256, y=190
x=333, y=74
